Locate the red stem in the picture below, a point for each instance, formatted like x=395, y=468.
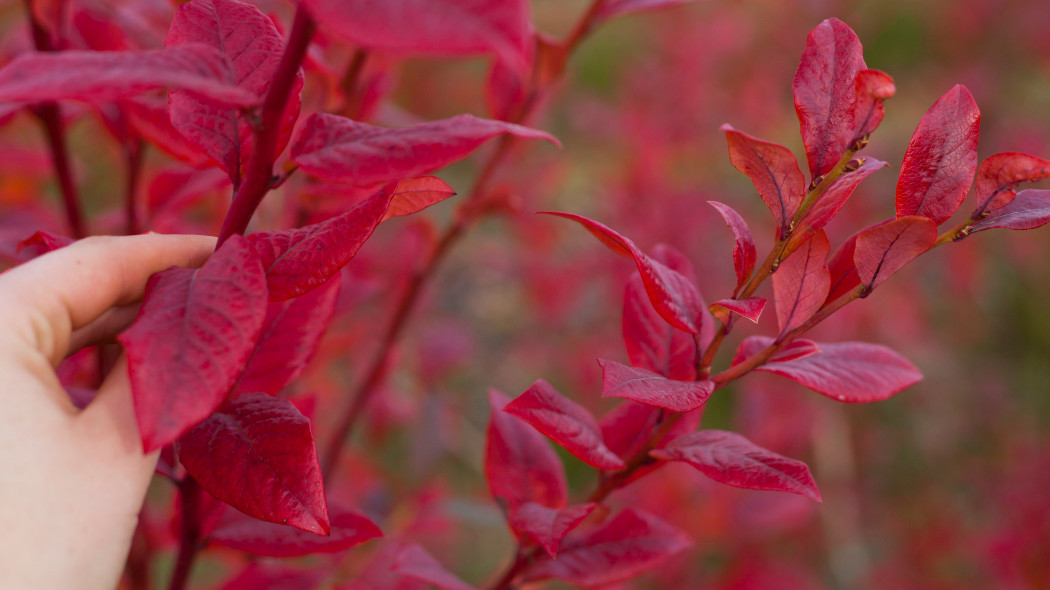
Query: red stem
x=259, y=178
x=189, y=535
x=134, y=155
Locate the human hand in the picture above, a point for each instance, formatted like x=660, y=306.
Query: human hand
x=72, y=481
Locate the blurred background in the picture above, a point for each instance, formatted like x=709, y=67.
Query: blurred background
x=943, y=486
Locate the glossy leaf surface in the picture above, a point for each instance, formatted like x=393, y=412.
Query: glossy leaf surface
x=193, y=334
x=650, y=341
x=796, y=349
x=744, y=254
x=1029, y=210
x=750, y=308
x=415, y=194
x=832, y=201
x=773, y=170
x=519, y=464
x=885, y=248
x=729, y=458
x=801, y=283
x=565, y=422
x=1000, y=174
x=243, y=533
x=653, y=389
x=257, y=454
x=873, y=87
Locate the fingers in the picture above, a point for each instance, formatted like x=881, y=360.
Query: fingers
x=105, y=328
x=110, y=420
x=48, y=298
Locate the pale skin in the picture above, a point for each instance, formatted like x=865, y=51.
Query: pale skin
x=72, y=481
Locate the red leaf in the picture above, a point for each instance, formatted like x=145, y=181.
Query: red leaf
x=243, y=533
x=651, y=388
x=674, y=296
x=885, y=248
x=843, y=270
x=43, y=242
x=1031, y=209
x=257, y=454
x=291, y=332
x=622, y=547
x=941, y=158
x=450, y=27
x=999, y=174
x=298, y=260
x=773, y=170
x=415, y=194
x=826, y=93
x=519, y=464
x=337, y=148
x=751, y=308
x=193, y=334
x=651, y=342
x=274, y=576
x=149, y=117
x=852, y=372
x=414, y=561
x=832, y=201
x=801, y=283
x=796, y=349
x=548, y=526
x=614, y=8
x=731, y=459
x=744, y=243
x=98, y=76
x=630, y=425
x=252, y=46
x=565, y=422
x=873, y=87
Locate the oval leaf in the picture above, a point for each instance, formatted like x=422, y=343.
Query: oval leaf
x=744, y=254
x=773, y=170
x=193, y=334
x=565, y=422
x=415, y=194
x=519, y=464
x=731, y=459
x=257, y=454
x=873, y=87
x=885, y=248
x=650, y=388
x=243, y=533
x=750, y=308
x=801, y=283
x=1031, y=209
x=941, y=158
x=1000, y=174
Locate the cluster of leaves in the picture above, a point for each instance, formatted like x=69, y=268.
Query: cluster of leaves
x=214, y=350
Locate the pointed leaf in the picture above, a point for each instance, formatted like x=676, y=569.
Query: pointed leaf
x=291, y=332
x=653, y=389
x=801, y=283
x=852, y=372
x=99, y=76
x=873, y=87
x=414, y=561
x=193, y=334
x=731, y=459
x=449, y=27
x=773, y=170
x=1031, y=209
x=149, y=117
x=885, y=248
x=751, y=308
x=43, y=242
x=1000, y=174
x=744, y=243
x=252, y=46
x=941, y=158
x=796, y=349
x=565, y=422
x=832, y=201
x=548, y=526
x=519, y=464
x=622, y=547
x=257, y=454
x=651, y=342
x=826, y=94
x=415, y=194
x=243, y=533
x=298, y=260
x=674, y=296
x=341, y=149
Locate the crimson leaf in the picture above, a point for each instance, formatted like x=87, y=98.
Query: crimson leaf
x=257, y=454
x=941, y=158
x=98, y=76
x=631, y=424
x=796, y=349
x=999, y=174
x=653, y=389
x=885, y=248
x=852, y=372
x=751, y=308
x=801, y=283
x=622, y=547
x=341, y=149
x=298, y=260
x=252, y=46
x=193, y=334
x=832, y=201
x=430, y=26
x=415, y=194
x=744, y=243
x=519, y=464
x=773, y=170
x=237, y=531
x=1031, y=209
x=873, y=87
x=291, y=332
x=674, y=296
x=651, y=342
x=729, y=458
x=826, y=94
x=548, y=526
x=842, y=269
x=43, y=242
